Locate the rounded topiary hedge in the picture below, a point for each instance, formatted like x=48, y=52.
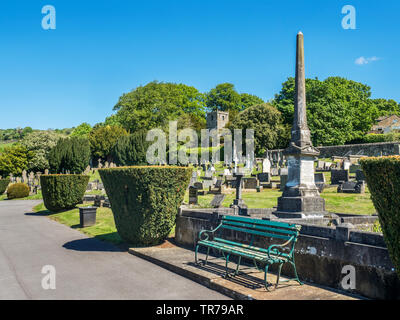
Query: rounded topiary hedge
x=17, y=191
x=145, y=200
x=63, y=191
x=3, y=185
x=383, y=179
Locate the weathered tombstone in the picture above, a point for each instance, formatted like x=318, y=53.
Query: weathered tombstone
x=338, y=176
x=283, y=171
x=193, y=195
x=250, y=183
x=263, y=177
x=99, y=166
x=360, y=175
x=274, y=172
x=217, y=201
x=284, y=178
x=352, y=187
x=266, y=165
x=319, y=179
x=226, y=172
x=31, y=176
x=320, y=165
x=198, y=185
x=328, y=165
x=24, y=177
x=346, y=165
x=87, y=170
x=46, y=171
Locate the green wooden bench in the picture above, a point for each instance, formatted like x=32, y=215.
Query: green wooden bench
x=262, y=258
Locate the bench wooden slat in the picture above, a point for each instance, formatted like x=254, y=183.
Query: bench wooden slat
x=261, y=222
x=260, y=233
x=260, y=227
x=250, y=247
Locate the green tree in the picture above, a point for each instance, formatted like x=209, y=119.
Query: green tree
x=70, y=154
x=40, y=143
x=338, y=110
x=224, y=97
x=266, y=121
x=131, y=150
x=102, y=140
x=249, y=100
x=82, y=130
x=157, y=103
x=14, y=159
x=386, y=107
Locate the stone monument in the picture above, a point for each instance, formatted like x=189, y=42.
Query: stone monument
x=300, y=197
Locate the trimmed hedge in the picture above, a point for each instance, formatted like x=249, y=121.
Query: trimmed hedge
x=3, y=185
x=63, y=191
x=383, y=179
x=145, y=200
x=17, y=191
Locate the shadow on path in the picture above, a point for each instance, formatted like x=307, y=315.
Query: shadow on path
x=92, y=244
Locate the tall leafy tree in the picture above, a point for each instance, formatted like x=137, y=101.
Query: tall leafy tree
x=156, y=103
x=338, y=110
x=266, y=121
x=102, y=140
x=82, y=130
x=131, y=150
x=70, y=154
x=14, y=159
x=40, y=143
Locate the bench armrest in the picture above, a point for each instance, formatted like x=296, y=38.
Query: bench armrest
x=277, y=248
x=207, y=233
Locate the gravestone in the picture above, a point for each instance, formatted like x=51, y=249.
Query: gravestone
x=319, y=179
x=320, y=165
x=327, y=165
x=24, y=177
x=193, y=195
x=352, y=187
x=346, y=165
x=266, y=166
x=274, y=172
x=217, y=201
x=284, y=178
x=198, y=185
x=283, y=171
x=338, y=176
x=250, y=183
x=263, y=177
x=46, y=171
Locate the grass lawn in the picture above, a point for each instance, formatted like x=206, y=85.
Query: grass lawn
x=268, y=198
x=37, y=196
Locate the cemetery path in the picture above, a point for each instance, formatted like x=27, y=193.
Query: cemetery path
x=86, y=268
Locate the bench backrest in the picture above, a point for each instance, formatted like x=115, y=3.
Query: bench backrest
x=263, y=228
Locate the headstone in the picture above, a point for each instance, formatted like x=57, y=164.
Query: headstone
x=99, y=164
x=263, y=177
x=320, y=165
x=352, y=187
x=198, y=185
x=250, y=183
x=327, y=165
x=226, y=172
x=283, y=171
x=338, y=176
x=266, y=166
x=46, y=171
x=87, y=170
x=274, y=172
x=217, y=201
x=284, y=178
x=106, y=164
x=346, y=165
x=319, y=179
x=24, y=177
x=193, y=195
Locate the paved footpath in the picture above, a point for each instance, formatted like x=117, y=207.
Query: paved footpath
x=86, y=268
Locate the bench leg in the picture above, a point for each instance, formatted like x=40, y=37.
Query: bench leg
x=265, y=277
x=226, y=266
x=195, y=254
x=279, y=275
x=295, y=273
x=208, y=252
x=238, y=265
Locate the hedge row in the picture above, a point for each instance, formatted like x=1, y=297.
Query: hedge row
x=17, y=191
x=3, y=185
x=383, y=179
x=63, y=191
x=145, y=200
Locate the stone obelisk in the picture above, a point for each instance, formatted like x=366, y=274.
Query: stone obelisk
x=300, y=197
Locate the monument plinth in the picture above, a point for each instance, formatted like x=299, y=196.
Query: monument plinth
x=300, y=197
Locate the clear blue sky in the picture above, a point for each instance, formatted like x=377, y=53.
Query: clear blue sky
x=101, y=49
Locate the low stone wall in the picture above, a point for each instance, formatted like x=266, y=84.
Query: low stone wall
x=365, y=149
x=321, y=253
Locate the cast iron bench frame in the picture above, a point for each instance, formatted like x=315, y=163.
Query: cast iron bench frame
x=265, y=257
